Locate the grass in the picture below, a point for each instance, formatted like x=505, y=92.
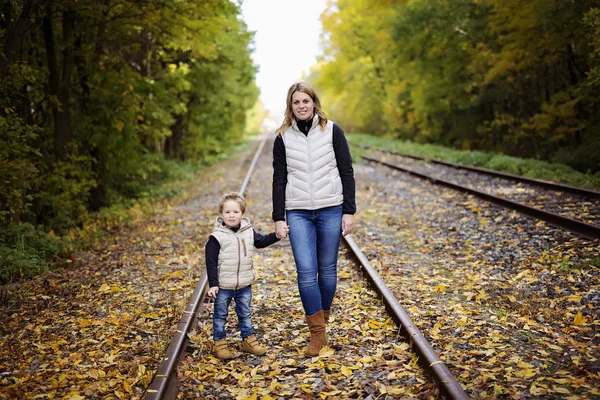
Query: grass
x=529, y=168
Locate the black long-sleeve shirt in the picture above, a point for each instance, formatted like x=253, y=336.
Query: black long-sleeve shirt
x=344, y=165
x=213, y=247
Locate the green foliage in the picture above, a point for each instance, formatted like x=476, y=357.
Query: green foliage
x=153, y=178
x=520, y=78
x=18, y=172
x=64, y=194
x=356, y=81
x=592, y=23
x=255, y=118
x=100, y=106
x=26, y=251
x=584, y=157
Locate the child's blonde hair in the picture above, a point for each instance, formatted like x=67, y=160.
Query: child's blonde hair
x=235, y=196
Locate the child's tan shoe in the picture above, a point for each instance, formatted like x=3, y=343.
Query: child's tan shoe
x=221, y=350
x=250, y=345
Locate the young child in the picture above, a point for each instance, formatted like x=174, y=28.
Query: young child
x=230, y=271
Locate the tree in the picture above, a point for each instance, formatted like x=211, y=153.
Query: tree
x=98, y=93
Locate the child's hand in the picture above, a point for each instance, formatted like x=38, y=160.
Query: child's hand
x=212, y=292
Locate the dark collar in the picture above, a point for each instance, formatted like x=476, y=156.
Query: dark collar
x=235, y=228
x=304, y=126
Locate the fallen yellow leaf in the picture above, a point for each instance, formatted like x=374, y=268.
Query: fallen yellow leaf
x=579, y=319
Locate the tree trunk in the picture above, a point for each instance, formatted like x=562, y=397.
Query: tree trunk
x=173, y=142
x=14, y=34
x=98, y=195
x=59, y=83
x=572, y=66
x=15, y=27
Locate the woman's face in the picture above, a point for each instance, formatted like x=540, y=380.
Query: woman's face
x=303, y=106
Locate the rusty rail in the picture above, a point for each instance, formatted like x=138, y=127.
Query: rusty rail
x=583, y=229
x=164, y=384
x=428, y=358
x=538, y=182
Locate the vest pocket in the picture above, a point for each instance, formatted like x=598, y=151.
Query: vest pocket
x=244, y=247
x=289, y=188
x=335, y=182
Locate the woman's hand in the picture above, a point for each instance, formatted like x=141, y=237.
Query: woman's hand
x=347, y=224
x=212, y=292
x=281, y=229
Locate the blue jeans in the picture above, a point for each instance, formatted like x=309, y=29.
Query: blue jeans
x=243, y=298
x=315, y=239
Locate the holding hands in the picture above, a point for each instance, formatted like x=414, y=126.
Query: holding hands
x=281, y=230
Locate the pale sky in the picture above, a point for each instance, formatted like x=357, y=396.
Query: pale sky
x=286, y=43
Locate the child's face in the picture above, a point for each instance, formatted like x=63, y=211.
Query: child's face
x=232, y=213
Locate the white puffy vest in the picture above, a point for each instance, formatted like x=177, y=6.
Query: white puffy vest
x=236, y=269
x=313, y=179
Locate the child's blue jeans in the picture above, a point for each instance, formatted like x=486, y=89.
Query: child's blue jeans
x=243, y=298
x=315, y=239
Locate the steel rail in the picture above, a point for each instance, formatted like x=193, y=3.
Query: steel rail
x=546, y=184
x=583, y=229
x=164, y=383
x=253, y=165
x=429, y=359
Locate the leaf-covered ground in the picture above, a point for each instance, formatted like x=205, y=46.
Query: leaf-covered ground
x=366, y=357
x=512, y=312
x=98, y=329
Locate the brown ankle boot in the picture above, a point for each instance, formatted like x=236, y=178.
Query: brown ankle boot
x=221, y=350
x=250, y=345
x=326, y=314
x=318, y=335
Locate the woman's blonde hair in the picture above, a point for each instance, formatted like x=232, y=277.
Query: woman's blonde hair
x=289, y=118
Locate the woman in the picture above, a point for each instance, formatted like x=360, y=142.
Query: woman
x=313, y=194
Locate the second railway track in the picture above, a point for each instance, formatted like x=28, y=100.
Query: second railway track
x=574, y=209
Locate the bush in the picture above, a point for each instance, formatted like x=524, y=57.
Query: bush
x=150, y=179
x=583, y=158
x=26, y=251
x=508, y=164
x=18, y=173
x=62, y=201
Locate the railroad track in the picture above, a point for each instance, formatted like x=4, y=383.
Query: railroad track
x=494, y=292
x=481, y=318
x=566, y=207
x=166, y=381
